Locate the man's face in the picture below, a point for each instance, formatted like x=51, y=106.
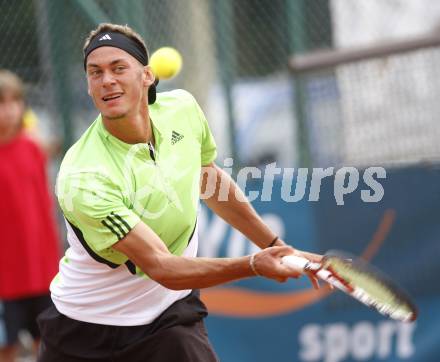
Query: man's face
x=117, y=82
x=11, y=109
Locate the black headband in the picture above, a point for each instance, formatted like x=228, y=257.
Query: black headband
x=117, y=40
x=121, y=41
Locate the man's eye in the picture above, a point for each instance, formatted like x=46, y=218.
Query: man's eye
x=119, y=68
x=94, y=73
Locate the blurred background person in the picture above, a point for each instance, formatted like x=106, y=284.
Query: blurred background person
x=29, y=246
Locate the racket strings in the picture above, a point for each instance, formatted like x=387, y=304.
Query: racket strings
x=340, y=279
x=372, y=290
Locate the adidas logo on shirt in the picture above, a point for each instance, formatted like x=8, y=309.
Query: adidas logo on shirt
x=105, y=37
x=175, y=137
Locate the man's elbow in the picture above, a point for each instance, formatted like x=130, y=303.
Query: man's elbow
x=166, y=280
x=171, y=284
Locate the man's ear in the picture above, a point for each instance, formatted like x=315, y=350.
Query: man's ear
x=148, y=76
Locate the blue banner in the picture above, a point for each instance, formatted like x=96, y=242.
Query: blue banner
x=260, y=320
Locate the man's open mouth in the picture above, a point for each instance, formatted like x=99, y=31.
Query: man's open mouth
x=112, y=96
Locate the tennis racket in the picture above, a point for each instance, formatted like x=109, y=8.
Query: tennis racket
x=361, y=281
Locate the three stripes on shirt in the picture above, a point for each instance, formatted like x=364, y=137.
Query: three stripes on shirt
x=117, y=225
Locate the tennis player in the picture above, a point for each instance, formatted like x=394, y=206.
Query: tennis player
x=129, y=190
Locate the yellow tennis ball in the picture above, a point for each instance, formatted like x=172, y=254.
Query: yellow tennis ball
x=166, y=62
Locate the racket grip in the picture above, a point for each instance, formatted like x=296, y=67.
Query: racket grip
x=295, y=262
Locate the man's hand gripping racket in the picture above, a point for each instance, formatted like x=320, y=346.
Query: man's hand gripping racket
x=359, y=280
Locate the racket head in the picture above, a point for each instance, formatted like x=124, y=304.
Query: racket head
x=371, y=286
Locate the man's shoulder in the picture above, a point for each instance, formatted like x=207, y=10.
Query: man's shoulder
x=174, y=107
x=86, y=155
x=80, y=182
x=174, y=98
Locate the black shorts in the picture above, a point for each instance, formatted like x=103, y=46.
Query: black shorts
x=21, y=314
x=178, y=334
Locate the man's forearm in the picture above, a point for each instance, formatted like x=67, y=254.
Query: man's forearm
x=178, y=273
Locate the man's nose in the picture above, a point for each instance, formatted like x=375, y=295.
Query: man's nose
x=108, y=78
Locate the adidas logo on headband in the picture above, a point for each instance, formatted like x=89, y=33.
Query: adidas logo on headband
x=105, y=37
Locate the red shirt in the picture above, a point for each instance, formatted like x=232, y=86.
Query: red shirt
x=29, y=247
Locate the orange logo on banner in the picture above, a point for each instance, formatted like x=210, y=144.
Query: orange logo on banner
x=245, y=303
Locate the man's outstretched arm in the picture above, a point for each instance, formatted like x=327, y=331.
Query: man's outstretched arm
x=227, y=200
x=144, y=248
